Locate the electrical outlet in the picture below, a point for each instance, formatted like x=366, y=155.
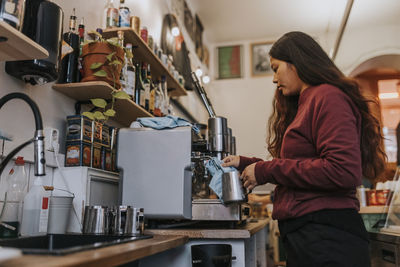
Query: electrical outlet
x=50, y=138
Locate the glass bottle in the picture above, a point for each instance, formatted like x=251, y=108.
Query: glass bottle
x=139, y=87
x=157, y=99
x=69, y=62
x=130, y=71
x=147, y=86
x=10, y=213
x=124, y=15
x=152, y=93
x=81, y=31
x=112, y=15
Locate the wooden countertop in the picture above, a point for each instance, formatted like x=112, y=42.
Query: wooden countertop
x=107, y=256
x=241, y=232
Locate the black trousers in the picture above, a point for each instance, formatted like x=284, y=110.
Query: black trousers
x=314, y=243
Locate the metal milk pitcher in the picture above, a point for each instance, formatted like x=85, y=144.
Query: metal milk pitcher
x=232, y=187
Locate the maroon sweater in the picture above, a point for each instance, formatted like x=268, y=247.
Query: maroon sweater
x=320, y=161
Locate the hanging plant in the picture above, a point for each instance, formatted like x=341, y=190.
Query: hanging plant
x=102, y=61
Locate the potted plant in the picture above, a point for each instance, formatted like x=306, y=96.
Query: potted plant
x=102, y=60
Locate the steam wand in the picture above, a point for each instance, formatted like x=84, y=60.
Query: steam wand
x=203, y=95
x=38, y=140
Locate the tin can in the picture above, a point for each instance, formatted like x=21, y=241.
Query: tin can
x=144, y=34
x=150, y=42
x=135, y=24
x=96, y=158
x=78, y=153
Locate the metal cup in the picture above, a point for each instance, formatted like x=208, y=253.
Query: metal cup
x=134, y=221
x=120, y=217
x=96, y=220
x=232, y=187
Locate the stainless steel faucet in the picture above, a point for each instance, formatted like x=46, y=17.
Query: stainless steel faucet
x=38, y=139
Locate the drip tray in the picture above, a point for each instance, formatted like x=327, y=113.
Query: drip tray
x=61, y=244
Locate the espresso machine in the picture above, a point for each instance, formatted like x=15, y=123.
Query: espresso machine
x=164, y=171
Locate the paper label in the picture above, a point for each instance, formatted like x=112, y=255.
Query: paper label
x=44, y=215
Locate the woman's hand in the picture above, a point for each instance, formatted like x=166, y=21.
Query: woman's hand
x=231, y=161
x=248, y=177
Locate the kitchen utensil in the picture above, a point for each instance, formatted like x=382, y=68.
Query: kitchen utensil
x=59, y=212
x=232, y=187
x=96, y=220
x=120, y=219
x=134, y=221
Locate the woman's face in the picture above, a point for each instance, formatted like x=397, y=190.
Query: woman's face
x=286, y=78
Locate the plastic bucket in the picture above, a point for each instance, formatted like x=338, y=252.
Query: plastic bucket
x=59, y=212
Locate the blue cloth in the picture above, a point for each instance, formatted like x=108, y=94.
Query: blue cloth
x=216, y=170
x=167, y=122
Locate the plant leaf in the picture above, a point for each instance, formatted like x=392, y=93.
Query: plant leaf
x=109, y=113
x=95, y=33
x=109, y=56
x=96, y=65
x=113, y=41
x=121, y=95
x=128, y=53
x=100, y=73
x=99, y=115
x=115, y=62
x=90, y=115
x=98, y=102
x=88, y=42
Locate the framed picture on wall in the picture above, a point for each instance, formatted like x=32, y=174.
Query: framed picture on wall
x=229, y=62
x=260, y=65
x=188, y=19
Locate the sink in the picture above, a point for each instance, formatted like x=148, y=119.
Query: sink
x=61, y=244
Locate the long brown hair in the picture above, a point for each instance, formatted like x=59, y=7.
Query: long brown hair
x=314, y=67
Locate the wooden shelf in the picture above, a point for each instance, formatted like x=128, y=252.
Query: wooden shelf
x=127, y=110
x=15, y=45
x=374, y=209
x=143, y=53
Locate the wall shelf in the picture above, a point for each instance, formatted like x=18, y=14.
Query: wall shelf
x=15, y=45
x=127, y=110
x=143, y=53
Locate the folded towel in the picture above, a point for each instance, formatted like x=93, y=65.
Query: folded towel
x=167, y=122
x=216, y=170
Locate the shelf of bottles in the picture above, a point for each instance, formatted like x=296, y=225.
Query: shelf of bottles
x=15, y=45
x=127, y=111
x=143, y=53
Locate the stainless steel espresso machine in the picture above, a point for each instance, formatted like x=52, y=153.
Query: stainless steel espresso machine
x=164, y=171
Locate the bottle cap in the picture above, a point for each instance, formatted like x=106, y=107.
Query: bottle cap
x=20, y=161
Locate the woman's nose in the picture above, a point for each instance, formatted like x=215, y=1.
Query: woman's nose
x=275, y=79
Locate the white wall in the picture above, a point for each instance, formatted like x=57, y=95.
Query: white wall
x=247, y=102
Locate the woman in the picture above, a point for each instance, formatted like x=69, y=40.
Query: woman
x=323, y=139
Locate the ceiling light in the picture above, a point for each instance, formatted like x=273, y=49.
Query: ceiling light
x=206, y=79
x=199, y=72
x=175, y=31
x=388, y=95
